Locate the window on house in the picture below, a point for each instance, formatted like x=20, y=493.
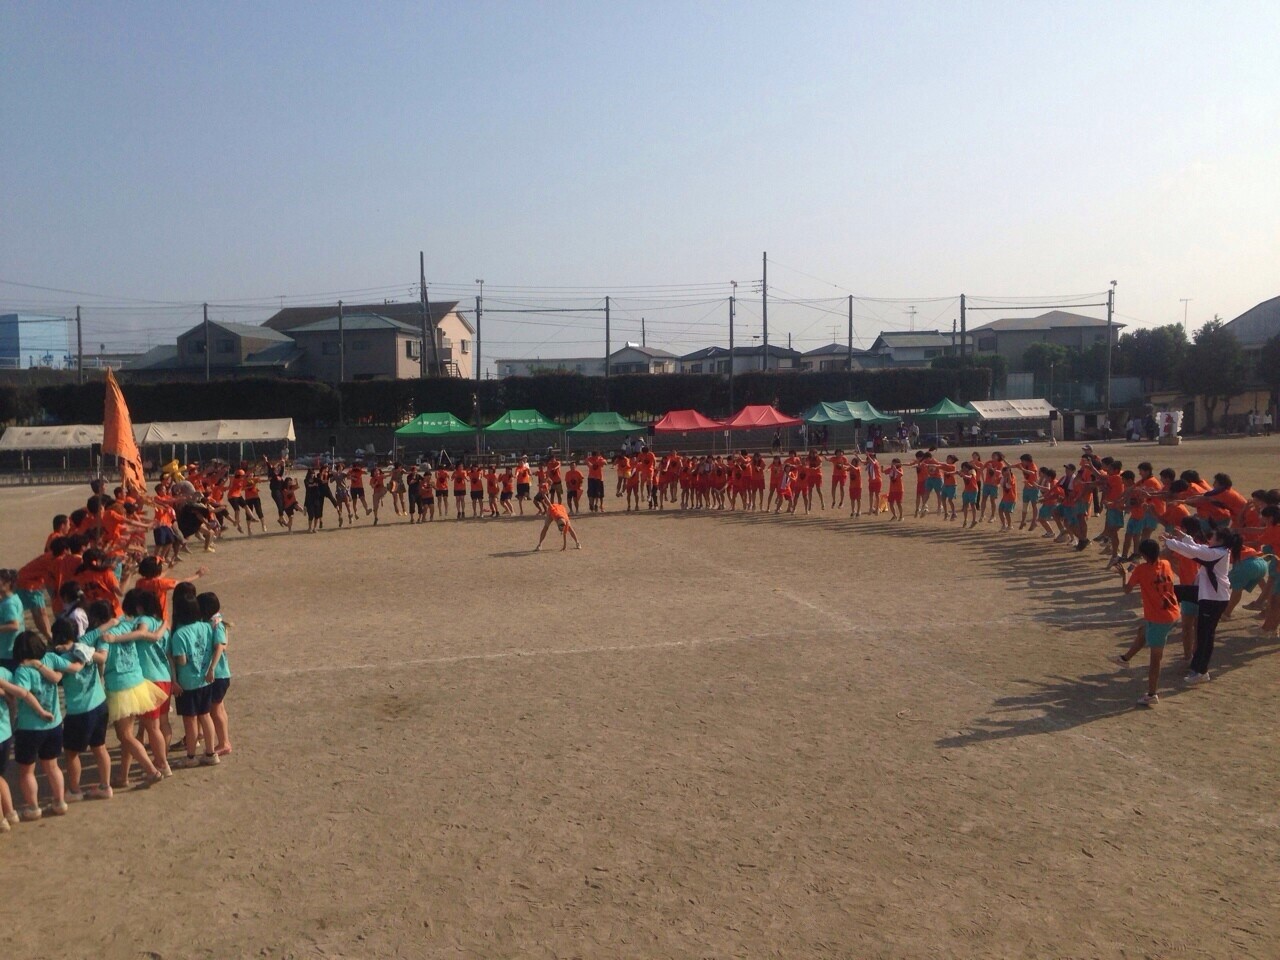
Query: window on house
x=195, y=346
x=695, y=368
x=511, y=371
x=359, y=344
x=226, y=345
x=987, y=344
x=329, y=348
x=930, y=354
x=466, y=346
x=413, y=349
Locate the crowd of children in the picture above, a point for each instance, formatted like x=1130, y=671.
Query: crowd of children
x=100, y=654
x=97, y=655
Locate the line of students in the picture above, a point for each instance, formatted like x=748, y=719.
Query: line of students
x=116, y=657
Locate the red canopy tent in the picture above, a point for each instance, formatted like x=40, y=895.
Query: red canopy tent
x=760, y=416
x=686, y=421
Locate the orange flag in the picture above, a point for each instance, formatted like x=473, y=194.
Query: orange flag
x=117, y=437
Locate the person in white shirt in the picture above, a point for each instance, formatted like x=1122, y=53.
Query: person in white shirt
x=1213, y=583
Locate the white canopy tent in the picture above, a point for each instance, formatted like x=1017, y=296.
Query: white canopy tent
x=78, y=436
x=1012, y=409
x=74, y=436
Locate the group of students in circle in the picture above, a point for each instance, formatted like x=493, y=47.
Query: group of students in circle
x=82, y=653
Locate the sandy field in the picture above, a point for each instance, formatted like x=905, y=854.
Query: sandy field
x=701, y=736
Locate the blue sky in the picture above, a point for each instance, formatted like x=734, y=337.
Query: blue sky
x=240, y=152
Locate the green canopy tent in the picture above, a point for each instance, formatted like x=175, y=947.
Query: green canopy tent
x=945, y=409
x=435, y=425
x=606, y=423
x=522, y=421
x=846, y=411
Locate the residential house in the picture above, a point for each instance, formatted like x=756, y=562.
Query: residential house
x=1255, y=327
x=376, y=348
x=455, y=335
x=835, y=356
x=631, y=358
x=1010, y=337
x=238, y=350
x=910, y=348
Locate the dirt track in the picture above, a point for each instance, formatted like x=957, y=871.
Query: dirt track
x=701, y=736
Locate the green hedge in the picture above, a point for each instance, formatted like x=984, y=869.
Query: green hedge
x=561, y=396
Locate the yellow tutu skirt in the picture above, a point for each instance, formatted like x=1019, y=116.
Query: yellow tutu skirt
x=135, y=701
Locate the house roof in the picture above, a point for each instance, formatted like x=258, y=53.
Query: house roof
x=1257, y=324
x=354, y=322
x=407, y=312
x=653, y=352
x=707, y=353
x=758, y=350
x=157, y=358
x=276, y=355
x=252, y=331
x=834, y=349
x=915, y=338
x=1053, y=320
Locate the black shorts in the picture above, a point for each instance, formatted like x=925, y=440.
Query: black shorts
x=460, y=494
x=1187, y=592
x=357, y=493
x=81, y=731
x=522, y=491
x=163, y=536
x=442, y=493
x=595, y=489
x=477, y=495
x=4, y=753
x=506, y=496
x=427, y=498
x=575, y=493
x=218, y=689
x=254, y=504
x=237, y=502
x=195, y=703
x=32, y=745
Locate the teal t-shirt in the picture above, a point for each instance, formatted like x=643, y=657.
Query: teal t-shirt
x=123, y=670
x=154, y=657
x=83, y=690
x=195, y=642
x=10, y=611
x=29, y=678
x=221, y=669
x=6, y=731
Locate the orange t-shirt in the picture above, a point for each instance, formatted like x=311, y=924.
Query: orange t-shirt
x=556, y=511
x=1155, y=581
x=161, y=587
x=573, y=479
x=595, y=467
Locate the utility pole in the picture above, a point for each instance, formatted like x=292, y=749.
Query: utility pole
x=643, y=342
x=1185, y=332
x=953, y=353
x=1111, y=306
x=422, y=310
x=79, y=348
x=911, y=312
x=764, y=309
x=964, y=337
x=342, y=348
x=606, y=353
x=208, y=346
x=479, y=316
x=732, y=304
x=849, y=361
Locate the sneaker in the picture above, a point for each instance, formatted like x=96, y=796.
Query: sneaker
x=210, y=760
x=1149, y=700
x=1194, y=678
x=184, y=763
x=1120, y=661
x=5, y=826
x=73, y=796
x=12, y=818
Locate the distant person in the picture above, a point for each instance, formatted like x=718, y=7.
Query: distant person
x=557, y=514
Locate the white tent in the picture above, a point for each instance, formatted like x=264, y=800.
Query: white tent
x=81, y=436
x=75, y=436
x=1012, y=409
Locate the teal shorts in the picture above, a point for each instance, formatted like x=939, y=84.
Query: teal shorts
x=990, y=490
x=1134, y=527
x=933, y=483
x=1115, y=518
x=1046, y=511
x=33, y=599
x=949, y=491
x=1190, y=608
x=1247, y=574
x=1030, y=495
x=1157, y=634
x=1150, y=522
x=1006, y=506
x=970, y=498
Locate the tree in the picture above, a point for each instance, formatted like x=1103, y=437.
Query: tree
x=997, y=364
x=1269, y=368
x=1154, y=355
x=1213, y=368
x=1040, y=357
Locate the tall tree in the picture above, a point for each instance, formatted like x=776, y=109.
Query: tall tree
x=1039, y=357
x=1213, y=368
x=1154, y=355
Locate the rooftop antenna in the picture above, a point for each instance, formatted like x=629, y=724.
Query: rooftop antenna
x=911, y=312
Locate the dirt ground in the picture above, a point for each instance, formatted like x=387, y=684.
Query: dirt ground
x=701, y=736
